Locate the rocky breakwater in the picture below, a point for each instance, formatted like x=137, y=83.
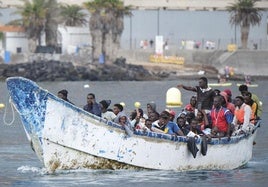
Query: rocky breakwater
x=52, y=70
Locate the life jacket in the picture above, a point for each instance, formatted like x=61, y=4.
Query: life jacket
x=218, y=119
x=240, y=113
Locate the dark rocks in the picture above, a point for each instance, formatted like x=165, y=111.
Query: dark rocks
x=66, y=71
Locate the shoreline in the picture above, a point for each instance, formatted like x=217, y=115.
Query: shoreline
x=77, y=67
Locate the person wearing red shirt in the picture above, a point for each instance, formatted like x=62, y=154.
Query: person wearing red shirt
x=221, y=118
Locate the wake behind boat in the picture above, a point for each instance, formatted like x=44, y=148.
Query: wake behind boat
x=67, y=137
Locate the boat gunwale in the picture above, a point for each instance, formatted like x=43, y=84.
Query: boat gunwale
x=151, y=134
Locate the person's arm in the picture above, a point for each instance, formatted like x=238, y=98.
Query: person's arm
x=180, y=133
x=189, y=88
x=259, y=107
x=254, y=108
x=177, y=130
x=206, y=121
x=128, y=130
x=229, y=119
x=155, y=128
x=247, y=116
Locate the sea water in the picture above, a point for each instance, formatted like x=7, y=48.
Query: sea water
x=20, y=166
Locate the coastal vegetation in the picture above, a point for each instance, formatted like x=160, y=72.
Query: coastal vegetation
x=244, y=14
x=38, y=17
x=73, y=15
x=106, y=23
x=106, y=26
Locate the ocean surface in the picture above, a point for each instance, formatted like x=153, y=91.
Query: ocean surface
x=20, y=166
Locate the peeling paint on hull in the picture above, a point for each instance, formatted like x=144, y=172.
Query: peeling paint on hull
x=66, y=137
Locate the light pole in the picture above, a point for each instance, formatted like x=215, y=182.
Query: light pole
x=267, y=27
x=235, y=34
x=130, y=32
x=158, y=21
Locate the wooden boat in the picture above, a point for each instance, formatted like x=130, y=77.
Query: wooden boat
x=248, y=85
x=64, y=136
x=220, y=84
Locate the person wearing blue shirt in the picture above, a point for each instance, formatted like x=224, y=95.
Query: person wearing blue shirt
x=164, y=125
x=92, y=106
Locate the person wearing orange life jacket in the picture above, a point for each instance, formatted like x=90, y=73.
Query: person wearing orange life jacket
x=242, y=116
x=244, y=88
x=221, y=118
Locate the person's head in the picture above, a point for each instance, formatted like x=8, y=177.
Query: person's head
x=203, y=82
x=193, y=101
x=243, y=88
x=183, y=115
x=172, y=114
x=164, y=118
x=105, y=104
x=200, y=116
x=248, y=94
x=239, y=100
x=229, y=94
x=153, y=116
x=190, y=108
x=194, y=123
x=217, y=101
x=90, y=98
x=63, y=94
x=180, y=121
x=247, y=97
x=217, y=91
x=151, y=106
x=148, y=123
x=190, y=116
x=122, y=119
x=133, y=114
x=117, y=108
x=225, y=99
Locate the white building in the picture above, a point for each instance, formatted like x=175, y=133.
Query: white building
x=14, y=40
x=72, y=38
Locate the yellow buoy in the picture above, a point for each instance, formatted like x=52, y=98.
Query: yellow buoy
x=137, y=104
x=173, y=98
x=2, y=105
x=123, y=104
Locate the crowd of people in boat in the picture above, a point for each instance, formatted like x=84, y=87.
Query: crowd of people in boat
x=210, y=112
